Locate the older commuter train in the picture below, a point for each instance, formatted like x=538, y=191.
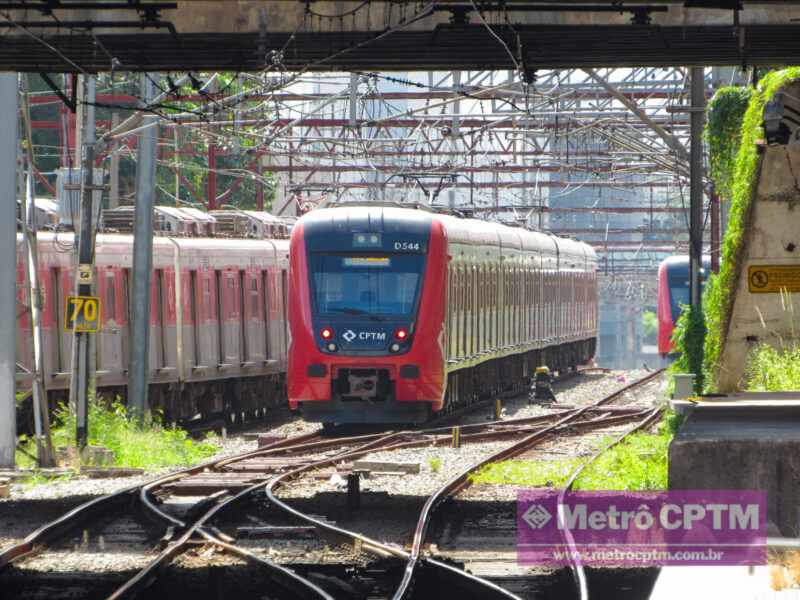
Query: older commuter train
x=218, y=332
x=395, y=313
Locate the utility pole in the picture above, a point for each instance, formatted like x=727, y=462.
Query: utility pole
x=79, y=387
x=698, y=105
x=142, y=258
x=8, y=268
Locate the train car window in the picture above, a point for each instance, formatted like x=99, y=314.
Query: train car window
x=230, y=295
x=254, y=297
x=158, y=294
x=111, y=296
x=207, y=310
x=193, y=313
x=57, y=302
x=161, y=301
x=449, y=312
x=126, y=305
x=265, y=288
x=193, y=294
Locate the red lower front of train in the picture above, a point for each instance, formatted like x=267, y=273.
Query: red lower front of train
x=415, y=376
x=666, y=321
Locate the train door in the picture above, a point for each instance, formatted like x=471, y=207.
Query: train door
x=191, y=293
x=456, y=310
x=227, y=318
x=462, y=306
x=479, y=325
x=109, y=339
x=245, y=327
x=59, y=354
x=255, y=319
x=207, y=328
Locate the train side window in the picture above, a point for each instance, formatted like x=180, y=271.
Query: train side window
x=265, y=288
x=110, y=285
x=57, y=302
x=126, y=305
x=230, y=299
x=207, y=296
x=254, y=297
x=284, y=304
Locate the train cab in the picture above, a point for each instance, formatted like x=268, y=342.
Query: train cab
x=359, y=350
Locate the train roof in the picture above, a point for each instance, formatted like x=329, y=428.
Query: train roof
x=682, y=260
x=463, y=230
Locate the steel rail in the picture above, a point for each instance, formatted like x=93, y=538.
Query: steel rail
x=284, y=576
x=461, y=480
x=489, y=590
x=39, y=539
x=577, y=567
x=60, y=527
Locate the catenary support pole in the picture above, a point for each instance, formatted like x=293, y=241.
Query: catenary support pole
x=696, y=185
x=142, y=259
x=81, y=366
x=8, y=267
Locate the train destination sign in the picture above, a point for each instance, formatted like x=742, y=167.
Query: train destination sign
x=82, y=313
x=772, y=279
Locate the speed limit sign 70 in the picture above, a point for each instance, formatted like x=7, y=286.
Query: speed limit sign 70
x=82, y=313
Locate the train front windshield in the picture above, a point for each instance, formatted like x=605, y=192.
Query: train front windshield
x=679, y=289
x=385, y=285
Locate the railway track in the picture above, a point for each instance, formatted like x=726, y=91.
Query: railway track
x=190, y=510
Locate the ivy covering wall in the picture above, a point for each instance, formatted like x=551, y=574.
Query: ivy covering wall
x=736, y=179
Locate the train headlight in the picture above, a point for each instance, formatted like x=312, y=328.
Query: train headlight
x=394, y=347
x=326, y=333
x=332, y=347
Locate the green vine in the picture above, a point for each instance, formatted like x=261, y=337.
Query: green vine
x=720, y=288
x=723, y=133
x=688, y=336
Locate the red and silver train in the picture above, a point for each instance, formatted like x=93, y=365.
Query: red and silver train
x=673, y=293
x=218, y=332
x=396, y=313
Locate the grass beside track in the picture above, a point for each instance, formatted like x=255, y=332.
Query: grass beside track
x=774, y=370
x=153, y=446
x=638, y=463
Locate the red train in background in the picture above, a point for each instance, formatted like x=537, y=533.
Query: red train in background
x=397, y=313
x=673, y=292
x=218, y=333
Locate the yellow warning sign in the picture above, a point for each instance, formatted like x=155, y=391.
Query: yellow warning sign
x=772, y=279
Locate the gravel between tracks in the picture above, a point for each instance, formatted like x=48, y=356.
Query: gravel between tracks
x=438, y=464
